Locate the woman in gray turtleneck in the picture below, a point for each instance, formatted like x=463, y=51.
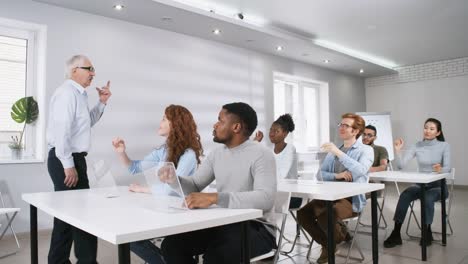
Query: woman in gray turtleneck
x=433, y=155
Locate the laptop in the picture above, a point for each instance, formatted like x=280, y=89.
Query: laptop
x=165, y=187
x=104, y=180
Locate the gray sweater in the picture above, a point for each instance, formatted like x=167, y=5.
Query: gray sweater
x=245, y=176
x=427, y=153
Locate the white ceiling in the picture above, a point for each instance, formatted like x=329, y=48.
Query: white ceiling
x=374, y=35
x=405, y=32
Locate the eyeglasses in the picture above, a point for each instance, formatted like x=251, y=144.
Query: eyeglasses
x=89, y=68
x=367, y=135
x=341, y=125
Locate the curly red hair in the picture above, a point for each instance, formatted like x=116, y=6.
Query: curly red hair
x=183, y=134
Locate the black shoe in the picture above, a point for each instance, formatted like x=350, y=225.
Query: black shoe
x=428, y=240
x=393, y=240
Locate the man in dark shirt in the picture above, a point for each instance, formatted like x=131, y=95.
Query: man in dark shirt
x=380, y=153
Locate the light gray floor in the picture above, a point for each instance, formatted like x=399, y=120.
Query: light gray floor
x=455, y=252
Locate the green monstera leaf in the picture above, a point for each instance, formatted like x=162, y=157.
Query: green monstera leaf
x=25, y=110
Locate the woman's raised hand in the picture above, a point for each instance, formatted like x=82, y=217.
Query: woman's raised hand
x=398, y=144
x=119, y=145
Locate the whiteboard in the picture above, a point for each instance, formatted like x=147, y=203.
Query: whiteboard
x=383, y=124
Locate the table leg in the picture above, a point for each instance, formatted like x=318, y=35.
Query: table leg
x=443, y=194
x=124, y=253
x=423, y=223
x=33, y=233
x=375, y=245
x=330, y=235
x=245, y=248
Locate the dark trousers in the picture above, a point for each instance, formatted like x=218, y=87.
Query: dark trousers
x=413, y=193
x=218, y=245
x=313, y=218
x=147, y=251
x=63, y=234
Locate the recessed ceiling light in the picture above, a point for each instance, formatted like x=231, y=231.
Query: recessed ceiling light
x=166, y=19
x=119, y=7
x=279, y=48
x=361, y=71
x=326, y=61
x=216, y=31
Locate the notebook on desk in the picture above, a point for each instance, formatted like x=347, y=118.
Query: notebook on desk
x=167, y=193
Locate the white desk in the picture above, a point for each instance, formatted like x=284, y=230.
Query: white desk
x=421, y=178
x=332, y=191
x=126, y=218
x=410, y=177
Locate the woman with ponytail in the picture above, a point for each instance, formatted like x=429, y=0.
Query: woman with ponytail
x=433, y=156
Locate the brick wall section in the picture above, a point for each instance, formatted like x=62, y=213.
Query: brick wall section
x=421, y=72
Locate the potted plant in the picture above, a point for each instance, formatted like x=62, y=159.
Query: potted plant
x=26, y=111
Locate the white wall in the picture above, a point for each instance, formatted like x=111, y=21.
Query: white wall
x=149, y=69
x=411, y=101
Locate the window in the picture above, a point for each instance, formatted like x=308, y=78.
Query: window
x=307, y=101
x=12, y=79
x=22, y=54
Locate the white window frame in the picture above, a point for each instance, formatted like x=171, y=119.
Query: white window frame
x=36, y=34
x=322, y=101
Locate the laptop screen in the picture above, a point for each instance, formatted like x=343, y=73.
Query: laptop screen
x=165, y=186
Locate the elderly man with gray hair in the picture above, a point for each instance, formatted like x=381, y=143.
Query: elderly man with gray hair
x=68, y=139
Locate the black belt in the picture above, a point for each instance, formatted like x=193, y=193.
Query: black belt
x=77, y=154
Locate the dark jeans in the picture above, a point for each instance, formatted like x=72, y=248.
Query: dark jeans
x=64, y=234
x=147, y=251
x=218, y=245
x=413, y=193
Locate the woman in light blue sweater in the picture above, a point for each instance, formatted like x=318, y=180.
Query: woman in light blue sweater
x=182, y=147
x=433, y=155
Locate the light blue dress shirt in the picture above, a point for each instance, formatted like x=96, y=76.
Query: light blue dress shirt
x=70, y=121
x=358, y=160
x=185, y=167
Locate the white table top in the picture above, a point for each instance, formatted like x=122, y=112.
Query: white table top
x=411, y=177
x=129, y=216
x=327, y=191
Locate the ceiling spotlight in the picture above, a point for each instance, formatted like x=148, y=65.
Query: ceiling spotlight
x=240, y=16
x=279, y=48
x=326, y=61
x=216, y=31
x=166, y=19
x=361, y=71
x=119, y=7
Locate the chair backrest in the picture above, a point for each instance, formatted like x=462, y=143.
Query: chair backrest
x=280, y=206
x=450, y=186
x=452, y=175
x=390, y=165
x=282, y=200
x=451, y=180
